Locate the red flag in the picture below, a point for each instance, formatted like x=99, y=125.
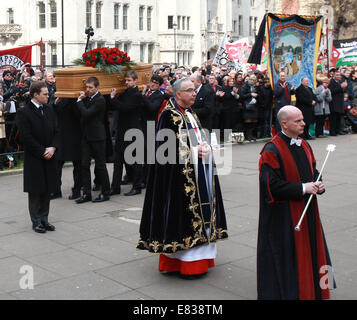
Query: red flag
x=14, y=59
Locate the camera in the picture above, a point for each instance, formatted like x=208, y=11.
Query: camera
x=89, y=31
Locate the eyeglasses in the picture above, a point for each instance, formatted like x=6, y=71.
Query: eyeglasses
x=155, y=82
x=189, y=90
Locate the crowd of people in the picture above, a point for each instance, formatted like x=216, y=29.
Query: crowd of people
x=14, y=94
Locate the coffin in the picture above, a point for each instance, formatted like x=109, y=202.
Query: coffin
x=71, y=80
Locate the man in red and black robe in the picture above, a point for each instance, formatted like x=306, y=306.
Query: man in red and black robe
x=291, y=264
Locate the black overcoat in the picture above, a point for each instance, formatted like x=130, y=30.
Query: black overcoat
x=304, y=97
x=337, y=103
x=129, y=105
x=204, y=106
x=70, y=132
x=37, y=133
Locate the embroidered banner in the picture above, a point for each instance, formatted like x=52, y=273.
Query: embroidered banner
x=292, y=44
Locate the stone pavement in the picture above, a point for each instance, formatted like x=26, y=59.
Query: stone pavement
x=92, y=254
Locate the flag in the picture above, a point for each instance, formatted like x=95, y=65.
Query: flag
x=222, y=58
x=239, y=50
x=15, y=58
x=345, y=52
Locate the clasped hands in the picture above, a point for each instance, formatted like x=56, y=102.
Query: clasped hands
x=49, y=152
x=203, y=149
x=314, y=187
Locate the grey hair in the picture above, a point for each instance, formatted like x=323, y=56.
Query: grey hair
x=176, y=87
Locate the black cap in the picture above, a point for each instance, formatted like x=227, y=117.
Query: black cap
x=6, y=72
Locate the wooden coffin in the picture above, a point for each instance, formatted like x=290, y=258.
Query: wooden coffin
x=71, y=80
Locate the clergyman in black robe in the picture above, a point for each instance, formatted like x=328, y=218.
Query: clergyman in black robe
x=183, y=214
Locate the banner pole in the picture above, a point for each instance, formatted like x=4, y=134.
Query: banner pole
x=328, y=51
x=41, y=55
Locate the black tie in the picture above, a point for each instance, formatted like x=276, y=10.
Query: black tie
x=41, y=109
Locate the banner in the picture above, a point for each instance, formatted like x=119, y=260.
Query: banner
x=222, y=56
x=292, y=44
x=345, y=52
x=14, y=59
x=239, y=50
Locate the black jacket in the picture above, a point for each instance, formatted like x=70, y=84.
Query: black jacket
x=280, y=96
x=151, y=106
x=337, y=103
x=92, y=117
x=203, y=106
x=68, y=117
x=304, y=98
x=129, y=106
x=38, y=132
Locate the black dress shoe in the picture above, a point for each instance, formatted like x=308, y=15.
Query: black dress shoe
x=48, y=226
x=56, y=195
x=84, y=198
x=39, y=228
x=114, y=192
x=133, y=192
x=341, y=133
x=311, y=138
x=102, y=197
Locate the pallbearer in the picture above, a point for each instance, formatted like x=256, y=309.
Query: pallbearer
x=291, y=265
x=183, y=214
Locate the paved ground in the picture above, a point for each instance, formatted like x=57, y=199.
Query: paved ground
x=92, y=253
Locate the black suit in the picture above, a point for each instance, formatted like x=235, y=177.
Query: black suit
x=204, y=105
x=281, y=100
x=129, y=107
x=92, y=112
x=216, y=107
x=304, y=99
x=37, y=132
x=68, y=117
x=152, y=102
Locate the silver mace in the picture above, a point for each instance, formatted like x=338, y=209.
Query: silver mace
x=330, y=148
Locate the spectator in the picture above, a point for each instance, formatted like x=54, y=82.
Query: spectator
x=282, y=92
x=354, y=86
x=267, y=103
x=2, y=125
x=337, y=88
x=204, y=102
x=250, y=95
x=8, y=85
x=51, y=86
x=322, y=107
x=305, y=101
x=229, y=97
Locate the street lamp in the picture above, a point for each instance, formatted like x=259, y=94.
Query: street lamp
x=62, y=34
x=175, y=27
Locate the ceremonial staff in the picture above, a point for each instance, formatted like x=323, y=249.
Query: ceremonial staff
x=330, y=148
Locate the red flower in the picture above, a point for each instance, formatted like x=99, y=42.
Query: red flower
x=88, y=63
